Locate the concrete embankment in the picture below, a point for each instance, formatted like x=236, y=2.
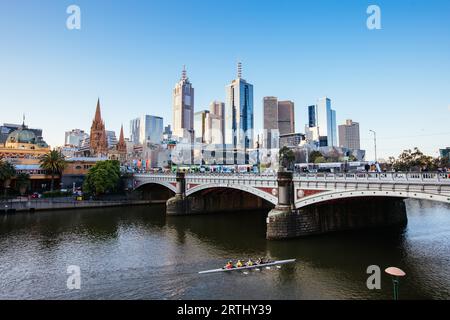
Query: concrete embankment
x=44, y=205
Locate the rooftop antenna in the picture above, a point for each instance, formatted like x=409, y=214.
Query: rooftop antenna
x=239, y=70
x=184, y=73
x=23, y=121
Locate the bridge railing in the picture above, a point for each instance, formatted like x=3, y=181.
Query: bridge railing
x=424, y=177
x=441, y=177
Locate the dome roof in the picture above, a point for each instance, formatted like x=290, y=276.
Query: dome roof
x=22, y=136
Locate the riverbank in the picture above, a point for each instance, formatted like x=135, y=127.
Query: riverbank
x=13, y=206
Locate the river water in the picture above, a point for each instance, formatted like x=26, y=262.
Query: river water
x=139, y=253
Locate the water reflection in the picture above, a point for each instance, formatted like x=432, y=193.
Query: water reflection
x=139, y=253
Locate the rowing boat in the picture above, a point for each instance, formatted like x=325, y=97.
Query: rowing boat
x=256, y=266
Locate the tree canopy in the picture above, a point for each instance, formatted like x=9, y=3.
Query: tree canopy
x=102, y=178
x=7, y=170
x=415, y=160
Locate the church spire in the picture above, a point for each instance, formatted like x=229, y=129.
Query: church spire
x=121, y=145
x=98, y=114
x=121, y=138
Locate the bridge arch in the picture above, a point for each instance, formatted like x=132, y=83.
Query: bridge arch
x=336, y=195
x=249, y=189
x=168, y=185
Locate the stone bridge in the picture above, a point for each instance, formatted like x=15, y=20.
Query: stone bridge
x=304, y=203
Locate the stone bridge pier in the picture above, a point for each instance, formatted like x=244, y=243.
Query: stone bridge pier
x=284, y=221
x=178, y=205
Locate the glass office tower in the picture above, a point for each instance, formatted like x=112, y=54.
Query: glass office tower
x=239, y=123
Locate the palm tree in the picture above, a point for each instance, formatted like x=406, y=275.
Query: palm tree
x=7, y=171
x=22, y=182
x=54, y=163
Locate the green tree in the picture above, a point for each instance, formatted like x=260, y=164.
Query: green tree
x=313, y=156
x=103, y=177
x=410, y=160
x=7, y=171
x=320, y=159
x=54, y=163
x=286, y=158
x=22, y=182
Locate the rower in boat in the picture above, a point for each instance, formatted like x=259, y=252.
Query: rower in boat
x=239, y=264
x=230, y=268
x=249, y=263
x=229, y=265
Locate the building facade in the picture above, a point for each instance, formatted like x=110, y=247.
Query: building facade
x=183, y=108
x=23, y=149
x=286, y=117
x=202, y=126
x=217, y=123
x=349, y=135
x=270, y=125
x=146, y=129
x=74, y=137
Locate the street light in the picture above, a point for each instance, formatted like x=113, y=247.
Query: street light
x=375, y=143
x=396, y=274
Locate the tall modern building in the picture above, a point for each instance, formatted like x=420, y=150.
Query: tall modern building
x=239, y=121
x=270, y=115
x=134, y=130
x=183, y=107
x=322, y=123
x=286, y=117
x=201, y=126
x=74, y=137
x=312, y=118
x=217, y=122
x=278, y=120
x=349, y=135
x=146, y=129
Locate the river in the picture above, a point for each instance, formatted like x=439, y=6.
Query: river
x=139, y=253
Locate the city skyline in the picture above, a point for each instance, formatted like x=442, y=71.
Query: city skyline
x=384, y=79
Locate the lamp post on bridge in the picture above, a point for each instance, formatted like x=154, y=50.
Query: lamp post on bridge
x=375, y=143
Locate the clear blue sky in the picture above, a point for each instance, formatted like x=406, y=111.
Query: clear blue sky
x=130, y=53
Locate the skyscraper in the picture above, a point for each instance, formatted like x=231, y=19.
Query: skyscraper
x=183, y=108
x=146, y=129
x=286, y=118
x=239, y=122
x=201, y=126
x=322, y=119
x=312, y=118
x=271, y=133
x=217, y=122
x=98, y=141
x=349, y=135
x=134, y=130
